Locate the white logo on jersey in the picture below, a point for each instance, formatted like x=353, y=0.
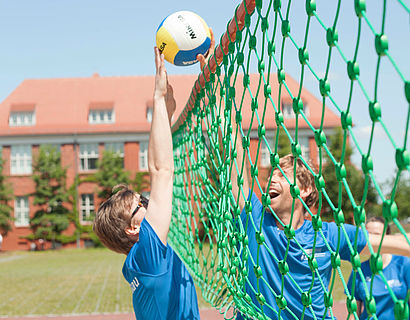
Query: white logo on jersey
x=134, y=284
x=318, y=253
x=393, y=283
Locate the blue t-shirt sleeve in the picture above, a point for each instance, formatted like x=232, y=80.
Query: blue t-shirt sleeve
x=344, y=250
x=256, y=207
x=406, y=271
x=149, y=255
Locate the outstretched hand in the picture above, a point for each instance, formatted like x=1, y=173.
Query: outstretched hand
x=161, y=79
x=203, y=60
x=162, y=86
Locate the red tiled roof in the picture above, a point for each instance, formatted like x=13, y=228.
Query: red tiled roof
x=21, y=107
x=62, y=105
x=315, y=106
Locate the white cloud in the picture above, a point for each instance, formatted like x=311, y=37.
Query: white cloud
x=365, y=131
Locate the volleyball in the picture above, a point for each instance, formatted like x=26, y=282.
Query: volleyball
x=182, y=36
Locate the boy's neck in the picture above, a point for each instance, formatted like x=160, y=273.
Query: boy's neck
x=386, y=258
x=297, y=221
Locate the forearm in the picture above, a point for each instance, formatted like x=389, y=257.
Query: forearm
x=160, y=156
x=237, y=167
x=394, y=244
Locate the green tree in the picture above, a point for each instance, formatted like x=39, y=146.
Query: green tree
x=6, y=195
x=140, y=181
x=402, y=196
x=284, y=145
x=354, y=177
x=50, y=194
x=110, y=172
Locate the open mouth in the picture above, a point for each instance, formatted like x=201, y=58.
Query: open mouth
x=273, y=194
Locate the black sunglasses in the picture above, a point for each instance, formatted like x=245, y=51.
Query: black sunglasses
x=142, y=203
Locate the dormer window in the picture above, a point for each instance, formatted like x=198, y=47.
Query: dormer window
x=101, y=113
x=288, y=113
x=149, y=114
x=101, y=116
x=22, y=118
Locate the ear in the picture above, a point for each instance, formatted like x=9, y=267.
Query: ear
x=305, y=192
x=132, y=231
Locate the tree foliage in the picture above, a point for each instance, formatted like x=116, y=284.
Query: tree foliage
x=110, y=172
x=284, y=145
x=401, y=197
x=354, y=177
x=140, y=182
x=50, y=194
x=6, y=195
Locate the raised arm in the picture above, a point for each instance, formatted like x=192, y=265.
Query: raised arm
x=160, y=156
x=234, y=172
x=394, y=244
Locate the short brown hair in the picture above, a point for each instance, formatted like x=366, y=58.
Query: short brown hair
x=303, y=175
x=112, y=219
x=380, y=220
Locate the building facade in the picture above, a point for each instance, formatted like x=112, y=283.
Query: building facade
x=82, y=117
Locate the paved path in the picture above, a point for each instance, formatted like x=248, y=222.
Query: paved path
x=339, y=310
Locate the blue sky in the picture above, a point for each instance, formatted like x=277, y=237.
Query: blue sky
x=76, y=38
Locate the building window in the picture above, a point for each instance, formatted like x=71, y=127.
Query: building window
x=149, y=114
x=20, y=159
x=101, y=116
x=143, y=156
x=116, y=147
x=50, y=147
x=264, y=155
x=287, y=110
x=87, y=207
x=304, y=146
x=21, y=212
x=23, y=118
x=88, y=156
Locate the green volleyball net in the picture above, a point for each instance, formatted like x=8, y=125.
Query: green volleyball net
x=292, y=77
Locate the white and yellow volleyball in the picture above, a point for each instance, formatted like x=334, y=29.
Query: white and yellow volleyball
x=182, y=36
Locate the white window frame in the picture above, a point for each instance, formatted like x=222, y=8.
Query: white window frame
x=150, y=112
x=306, y=110
x=143, y=156
x=22, y=118
x=21, y=159
x=116, y=147
x=56, y=146
x=287, y=110
x=304, y=146
x=264, y=155
x=21, y=212
x=88, y=151
x=100, y=116
x=87, y=208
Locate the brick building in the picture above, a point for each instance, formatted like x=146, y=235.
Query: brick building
x=84, y=116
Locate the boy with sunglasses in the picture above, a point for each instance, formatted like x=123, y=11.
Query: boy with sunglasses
x=127, y=223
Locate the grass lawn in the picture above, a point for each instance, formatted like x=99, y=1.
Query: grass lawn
x=79, y=281
x=62, y=282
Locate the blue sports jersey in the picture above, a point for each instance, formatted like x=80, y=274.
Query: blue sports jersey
x=276, y=242
x=397, y=274
x=162, y=287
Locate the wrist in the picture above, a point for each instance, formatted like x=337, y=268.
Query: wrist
x=159, y=96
